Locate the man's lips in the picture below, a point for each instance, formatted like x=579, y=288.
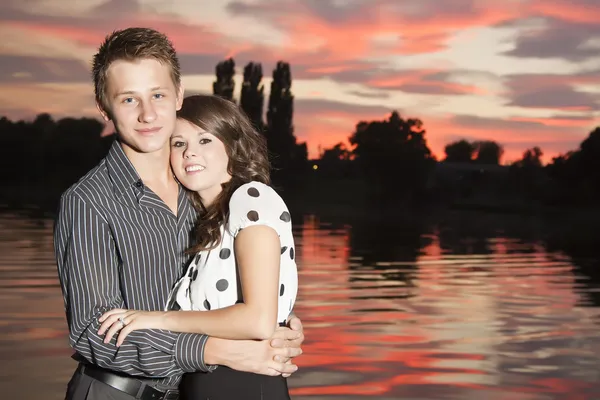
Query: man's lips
x=146, y=131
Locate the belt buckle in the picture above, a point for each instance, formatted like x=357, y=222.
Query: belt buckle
x=171, y=394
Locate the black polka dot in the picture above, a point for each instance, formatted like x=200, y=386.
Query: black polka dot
x=281, y=289
x=292, y=253
x=285, y=216
x=224, y=254
x=195, y=275
x=222, y=285
x=191, y=272
x=206, y=304
x=283, y=249
x=253, y=192
x=252, y=216
x=197, y=258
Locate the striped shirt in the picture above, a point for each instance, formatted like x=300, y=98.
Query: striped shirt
x=118, y=245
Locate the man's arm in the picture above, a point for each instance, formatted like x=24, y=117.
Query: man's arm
x=88, y=271
x=266, y=357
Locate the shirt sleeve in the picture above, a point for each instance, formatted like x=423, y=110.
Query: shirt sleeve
x=255, y=203
x=88, y=270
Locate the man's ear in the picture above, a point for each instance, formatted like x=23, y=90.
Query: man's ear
x=180, y=94
x=103, y=112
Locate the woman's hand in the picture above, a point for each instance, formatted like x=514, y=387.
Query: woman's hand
x=127, y=321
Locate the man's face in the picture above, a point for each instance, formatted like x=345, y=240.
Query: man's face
x=142, y=101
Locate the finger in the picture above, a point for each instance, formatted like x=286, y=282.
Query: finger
x=289, y=361
x=283, y=368
x=282, y=336
x=112, y=331
x=123, y=334
x=296, y=324
x=289, y=352
x=281, y=359
x=111, y=312
x=108, y=323
x=271, y=372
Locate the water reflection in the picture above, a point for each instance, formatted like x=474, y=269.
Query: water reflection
x=449, y=307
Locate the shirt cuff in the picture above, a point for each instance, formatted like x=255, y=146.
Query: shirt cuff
x=189, y=353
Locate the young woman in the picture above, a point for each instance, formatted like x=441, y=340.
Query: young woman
x=243, y=277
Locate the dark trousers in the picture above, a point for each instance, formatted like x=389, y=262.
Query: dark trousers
x=227, y=384
x=83, y=387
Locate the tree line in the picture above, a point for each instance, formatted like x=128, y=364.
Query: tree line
x=389, y=158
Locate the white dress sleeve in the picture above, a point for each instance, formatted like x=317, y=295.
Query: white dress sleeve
x=255, y=203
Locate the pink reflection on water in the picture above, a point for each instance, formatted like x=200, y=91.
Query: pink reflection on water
x=478, y=323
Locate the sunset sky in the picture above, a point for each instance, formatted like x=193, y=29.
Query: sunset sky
x=521, y=72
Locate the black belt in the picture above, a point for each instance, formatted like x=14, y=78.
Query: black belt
x=131, y=386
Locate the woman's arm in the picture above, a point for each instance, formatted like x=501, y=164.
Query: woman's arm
x=258, y=255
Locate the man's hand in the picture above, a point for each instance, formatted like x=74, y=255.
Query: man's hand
x=256, y=356
x=290, y=338
x=267, y=357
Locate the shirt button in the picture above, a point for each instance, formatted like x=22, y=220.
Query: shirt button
x=139, y=183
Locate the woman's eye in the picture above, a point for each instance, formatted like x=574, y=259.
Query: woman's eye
x=205, y=141
x=178, y=144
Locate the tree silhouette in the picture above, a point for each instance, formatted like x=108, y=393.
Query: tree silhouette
x=287, y=156
x=461, y=151
x=393, y=155
x=252, y=96
x=576, y=174
x=532, y=158
x=58, y=152
x=224, y=85
x=488, y=152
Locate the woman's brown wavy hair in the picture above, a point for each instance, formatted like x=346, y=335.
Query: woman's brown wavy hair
x=248, y=160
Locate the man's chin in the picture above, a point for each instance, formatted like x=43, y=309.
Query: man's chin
x=146, y=146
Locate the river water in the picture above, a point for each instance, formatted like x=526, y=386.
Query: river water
x=458, y=308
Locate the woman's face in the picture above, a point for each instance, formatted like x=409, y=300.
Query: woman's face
x=199, y=160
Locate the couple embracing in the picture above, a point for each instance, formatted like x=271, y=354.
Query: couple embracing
x=175, y=256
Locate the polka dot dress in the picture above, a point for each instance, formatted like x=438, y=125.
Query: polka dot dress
x=211, y=281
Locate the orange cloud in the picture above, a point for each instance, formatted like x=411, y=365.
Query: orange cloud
x=567, y=10
x=311, y=37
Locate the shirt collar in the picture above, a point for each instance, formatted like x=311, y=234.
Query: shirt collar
x=121, y=171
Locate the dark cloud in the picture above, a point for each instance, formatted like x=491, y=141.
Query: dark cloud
x=558, y=39
x=111, y=8
x=498, y=124
x=341, y=12
x=200, y=63
x=41, y=69
x=439, y=89
x=370, y=95
x=552, y=91
x=308, y=106
x=559, y=97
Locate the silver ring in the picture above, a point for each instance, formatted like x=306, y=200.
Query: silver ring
x=122, y=321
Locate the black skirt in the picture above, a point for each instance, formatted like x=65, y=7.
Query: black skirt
x=226, y=383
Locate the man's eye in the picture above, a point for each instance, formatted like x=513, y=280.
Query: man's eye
x=128, y=100
x=158, y=96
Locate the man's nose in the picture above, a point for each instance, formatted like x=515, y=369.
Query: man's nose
x=147, y=113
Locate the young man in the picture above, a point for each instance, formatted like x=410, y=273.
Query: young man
x=121, y=233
